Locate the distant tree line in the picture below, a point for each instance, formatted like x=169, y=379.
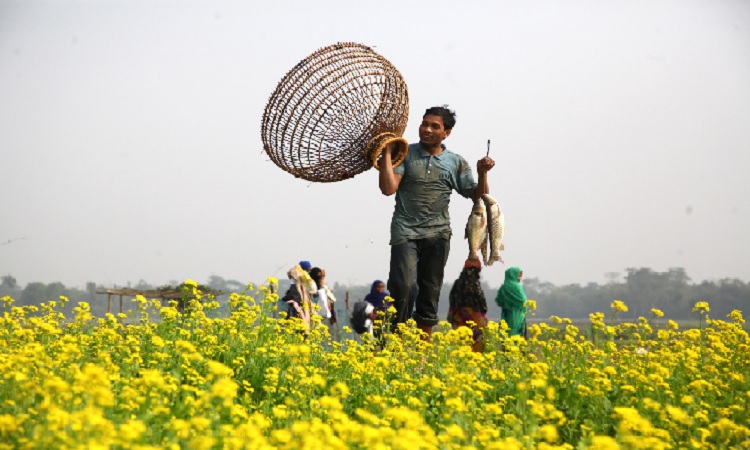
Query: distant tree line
x=641, y=289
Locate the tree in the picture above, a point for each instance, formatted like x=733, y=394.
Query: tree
x=34, y=293
x=8, y=282
x=216, y=283
x=91, y=292
x=55, y=290
x=234, y=286
x=667, y=291
x=612, y=277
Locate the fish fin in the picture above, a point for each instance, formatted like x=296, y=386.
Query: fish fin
x=493, y=258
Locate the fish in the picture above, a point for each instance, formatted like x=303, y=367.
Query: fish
x=495, y=229
x=476, y=231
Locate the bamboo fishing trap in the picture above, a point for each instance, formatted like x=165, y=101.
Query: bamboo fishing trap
x=331, y=115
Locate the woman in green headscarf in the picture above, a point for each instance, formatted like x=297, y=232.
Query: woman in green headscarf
x=512, y=299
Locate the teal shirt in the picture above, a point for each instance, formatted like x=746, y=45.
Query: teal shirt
x=424, y=193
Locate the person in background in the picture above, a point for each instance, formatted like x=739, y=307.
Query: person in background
x=325, y=300
x=363, y=317
x=512, y=299
x=321, y=296
x=468, y=304
x=306, y=266
x=293, y=298
x=377, y=296
x=333, y=320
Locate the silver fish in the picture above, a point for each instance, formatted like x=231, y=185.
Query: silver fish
x=495, y=229
x=476, y=230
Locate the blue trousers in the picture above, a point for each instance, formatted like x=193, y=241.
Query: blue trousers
x=417, y=264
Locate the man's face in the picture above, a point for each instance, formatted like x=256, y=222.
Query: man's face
x=432, y=130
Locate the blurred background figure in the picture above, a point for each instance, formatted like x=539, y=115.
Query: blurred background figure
x=468, y=306
x=363, y=317
x=294, y=294
x=377, y=296
x=298, y=297
x=512, y=299
x=325, y=300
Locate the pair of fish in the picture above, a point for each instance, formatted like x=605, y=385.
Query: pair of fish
x=484, y=228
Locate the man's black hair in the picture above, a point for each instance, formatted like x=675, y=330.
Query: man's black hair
x=448, y=116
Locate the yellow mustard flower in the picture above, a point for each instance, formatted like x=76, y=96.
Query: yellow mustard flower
x=701, y=307
x=618, y=305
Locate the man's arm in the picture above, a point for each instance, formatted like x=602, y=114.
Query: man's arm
x=389, y=180
x=484, y=165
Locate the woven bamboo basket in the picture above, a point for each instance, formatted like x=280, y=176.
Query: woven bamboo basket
x=334, y=112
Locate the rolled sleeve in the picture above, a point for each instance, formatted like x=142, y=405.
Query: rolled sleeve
x=465, y=184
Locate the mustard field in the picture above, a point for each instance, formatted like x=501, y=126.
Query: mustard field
x=162, y=377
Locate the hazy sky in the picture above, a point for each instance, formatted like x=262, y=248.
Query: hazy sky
x=130, y=136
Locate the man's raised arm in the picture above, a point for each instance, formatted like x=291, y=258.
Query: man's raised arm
x=389, y=180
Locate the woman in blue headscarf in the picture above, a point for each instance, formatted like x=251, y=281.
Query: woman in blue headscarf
x=512, y=299
x=377, y=296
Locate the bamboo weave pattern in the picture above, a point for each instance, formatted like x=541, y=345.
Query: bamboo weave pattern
x=330, y=115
